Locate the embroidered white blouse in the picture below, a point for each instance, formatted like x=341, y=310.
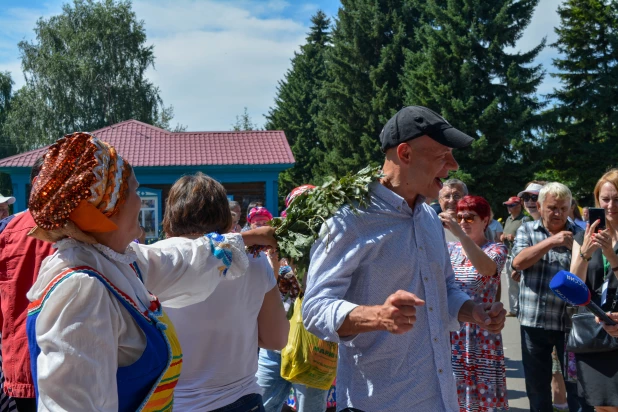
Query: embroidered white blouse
x=85, y=333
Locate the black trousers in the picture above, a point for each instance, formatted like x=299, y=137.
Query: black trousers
x=536, y=347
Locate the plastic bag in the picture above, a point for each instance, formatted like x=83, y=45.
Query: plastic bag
x=307, y=359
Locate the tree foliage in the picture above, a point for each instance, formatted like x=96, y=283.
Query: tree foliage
x=7, y=148
x=363, y=87
x=298, y=104
x=85, y=70
x=464, y=69
x=244, y=122
x=582, y=143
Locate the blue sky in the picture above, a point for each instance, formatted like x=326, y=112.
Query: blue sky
x=215, y=57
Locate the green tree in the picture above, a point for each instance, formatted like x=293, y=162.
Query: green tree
x=7, y=147
x=465, y=70
x=244, y=122
x=582, y=143
x=85, y=70
x=298, y=105
x=363, y=88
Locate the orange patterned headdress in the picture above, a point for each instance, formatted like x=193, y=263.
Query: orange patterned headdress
x=83, y=182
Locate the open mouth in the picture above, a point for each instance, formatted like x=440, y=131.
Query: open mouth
x=439, y=182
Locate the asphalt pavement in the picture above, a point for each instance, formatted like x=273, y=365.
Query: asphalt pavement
x=515, y=382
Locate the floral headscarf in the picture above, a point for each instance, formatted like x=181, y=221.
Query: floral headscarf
x=258, y=211
x=83, y=182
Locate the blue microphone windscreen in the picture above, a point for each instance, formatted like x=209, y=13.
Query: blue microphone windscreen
x=570, y=288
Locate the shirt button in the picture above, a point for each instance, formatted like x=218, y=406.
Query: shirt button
x=420, y=248
x=431, y=309
x=439, y=370
x=426, y=278
x=435, y=339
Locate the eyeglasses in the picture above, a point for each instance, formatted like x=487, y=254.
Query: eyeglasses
x=528, y=197
x=455, y=197
x=467, y=218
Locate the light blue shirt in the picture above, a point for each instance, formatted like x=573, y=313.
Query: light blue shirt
x=363, y=259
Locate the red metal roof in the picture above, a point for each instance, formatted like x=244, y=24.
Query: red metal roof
x=144, y=145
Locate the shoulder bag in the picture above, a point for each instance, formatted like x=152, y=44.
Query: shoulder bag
x=587, y=336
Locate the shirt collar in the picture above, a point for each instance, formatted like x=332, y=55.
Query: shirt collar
x=538, y=225
x=393, y=199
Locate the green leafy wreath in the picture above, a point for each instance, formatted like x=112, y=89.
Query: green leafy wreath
x=297, y=233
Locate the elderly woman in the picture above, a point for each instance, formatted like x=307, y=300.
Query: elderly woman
x=98, y=337
x=595, y=262
x=219, y=335
x=477, y=355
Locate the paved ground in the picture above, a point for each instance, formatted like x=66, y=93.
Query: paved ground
x=515, y=383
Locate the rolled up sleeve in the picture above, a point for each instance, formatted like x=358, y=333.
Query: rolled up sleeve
x=334, y=259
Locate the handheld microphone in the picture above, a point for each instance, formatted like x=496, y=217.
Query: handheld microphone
x=574, y=291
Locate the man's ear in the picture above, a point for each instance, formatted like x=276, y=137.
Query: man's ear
x=404, y=153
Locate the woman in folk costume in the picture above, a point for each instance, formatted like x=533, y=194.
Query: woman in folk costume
x=98, y=337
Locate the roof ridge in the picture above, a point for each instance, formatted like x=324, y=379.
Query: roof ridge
x=230, y=131
x=130, y=121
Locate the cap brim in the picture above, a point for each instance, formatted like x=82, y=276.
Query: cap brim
x=10, y=200
x=452, y=138
x=532, y=192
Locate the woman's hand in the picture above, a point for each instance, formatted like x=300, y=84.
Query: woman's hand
x=589, y=245
x=451, y=224
x=603, y=240
x=262, y=236
x=611, y=330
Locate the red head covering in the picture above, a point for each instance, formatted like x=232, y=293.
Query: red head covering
x=258, y=211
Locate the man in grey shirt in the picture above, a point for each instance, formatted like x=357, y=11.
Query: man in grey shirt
x=381, y=283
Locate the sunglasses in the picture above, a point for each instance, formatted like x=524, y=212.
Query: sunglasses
x=466, y=218
x=528, y=197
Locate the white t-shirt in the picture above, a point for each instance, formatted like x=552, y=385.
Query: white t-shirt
x=219, y=339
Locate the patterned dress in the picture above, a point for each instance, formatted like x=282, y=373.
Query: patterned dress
x=478, y=355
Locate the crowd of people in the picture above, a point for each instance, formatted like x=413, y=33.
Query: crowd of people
x=93, y=319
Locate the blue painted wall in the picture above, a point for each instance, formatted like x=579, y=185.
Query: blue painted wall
x=269, y=174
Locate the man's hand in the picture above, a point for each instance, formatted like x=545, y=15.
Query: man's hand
x=516, y=276
x=398, y=313
x=564, y=238
x=489, y=316
x=449, y=222
x=612, y=330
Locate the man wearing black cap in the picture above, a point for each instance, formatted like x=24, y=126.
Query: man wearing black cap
x=385, y=271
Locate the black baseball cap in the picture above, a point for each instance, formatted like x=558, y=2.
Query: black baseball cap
x=416, y=121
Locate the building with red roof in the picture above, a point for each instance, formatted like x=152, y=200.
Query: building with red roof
x=247, y=163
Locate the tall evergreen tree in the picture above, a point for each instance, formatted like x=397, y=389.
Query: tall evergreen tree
x=298, y=104
x=7, y=147
x=465, y=71
x=363, y=89
x=582, y=143
x=85, y=70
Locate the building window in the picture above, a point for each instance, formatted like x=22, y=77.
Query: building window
x=150, y=213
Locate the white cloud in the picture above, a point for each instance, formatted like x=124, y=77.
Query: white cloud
x=214, y=58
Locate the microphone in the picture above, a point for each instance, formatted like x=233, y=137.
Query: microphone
x=574, y=291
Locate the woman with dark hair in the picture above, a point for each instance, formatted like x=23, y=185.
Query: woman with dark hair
x=219, y=335
x=98, y=337
x=478, y=355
